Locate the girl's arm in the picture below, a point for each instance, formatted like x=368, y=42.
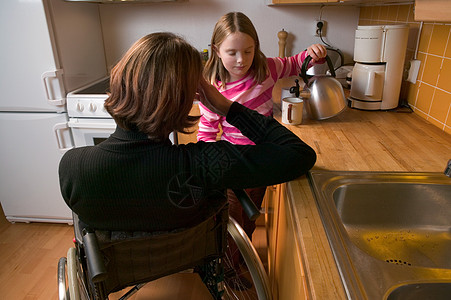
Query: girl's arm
x=291, y=66
x=208, y=125
x=213, y=108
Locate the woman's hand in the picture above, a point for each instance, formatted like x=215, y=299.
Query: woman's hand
x=317, y=51
x=212, y=99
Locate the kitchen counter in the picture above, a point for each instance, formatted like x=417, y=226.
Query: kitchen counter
x=355, y=141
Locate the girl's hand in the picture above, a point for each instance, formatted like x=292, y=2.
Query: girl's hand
x=210, y=97
x=317, y=51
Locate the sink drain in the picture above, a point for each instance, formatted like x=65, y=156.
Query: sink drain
x=398, y=262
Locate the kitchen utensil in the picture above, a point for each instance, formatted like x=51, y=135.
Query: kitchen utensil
x=292, y=109
x=323, y=95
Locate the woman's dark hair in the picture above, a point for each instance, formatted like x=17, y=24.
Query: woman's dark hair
x=153, y=86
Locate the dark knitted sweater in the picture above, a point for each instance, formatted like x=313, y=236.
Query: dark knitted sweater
x=130, y=182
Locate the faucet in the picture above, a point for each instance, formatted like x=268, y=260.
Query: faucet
x=448, y=169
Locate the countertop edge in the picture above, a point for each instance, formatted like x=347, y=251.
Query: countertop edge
x=318, y=263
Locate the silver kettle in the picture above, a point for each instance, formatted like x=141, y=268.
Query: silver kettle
x=322, y=94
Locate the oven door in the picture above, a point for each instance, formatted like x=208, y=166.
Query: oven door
x=90, y=132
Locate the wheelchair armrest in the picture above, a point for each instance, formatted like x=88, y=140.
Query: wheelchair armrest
x=248, y=205
x=96, y=264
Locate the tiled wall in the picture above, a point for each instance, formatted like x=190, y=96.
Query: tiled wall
x=430, y=96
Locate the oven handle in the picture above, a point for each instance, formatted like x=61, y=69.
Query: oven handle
x=88, y=125
x=57, y=129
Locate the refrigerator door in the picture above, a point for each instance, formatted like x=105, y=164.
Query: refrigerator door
x=29, y=159
x=26, y=54
x=49, y=47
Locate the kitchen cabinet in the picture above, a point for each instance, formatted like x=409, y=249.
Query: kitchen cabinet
x=272, y=199
x=341, y=2
x=285, y=269
x=432, y=10
x=301, y=1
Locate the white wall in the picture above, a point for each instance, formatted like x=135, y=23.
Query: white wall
x=123, y=24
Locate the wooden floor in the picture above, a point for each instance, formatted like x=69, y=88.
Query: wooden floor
x=29, y=255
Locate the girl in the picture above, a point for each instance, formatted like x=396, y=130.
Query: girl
x=242, y=73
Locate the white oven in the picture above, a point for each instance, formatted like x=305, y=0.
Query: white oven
x=89, y=132
x=89, y=122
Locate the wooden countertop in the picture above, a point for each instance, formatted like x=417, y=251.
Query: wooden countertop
x=356, y=141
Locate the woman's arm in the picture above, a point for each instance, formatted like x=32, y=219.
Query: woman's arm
x=278, y=156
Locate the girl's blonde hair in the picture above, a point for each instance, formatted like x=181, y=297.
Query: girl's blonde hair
x=232, y=22
x=153, y=86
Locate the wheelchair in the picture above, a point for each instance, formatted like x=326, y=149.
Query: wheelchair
x=104, y=262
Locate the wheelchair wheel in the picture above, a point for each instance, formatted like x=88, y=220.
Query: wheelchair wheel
x=63, y=292
x=226, y=280
x=71, y=285
x=249, y=280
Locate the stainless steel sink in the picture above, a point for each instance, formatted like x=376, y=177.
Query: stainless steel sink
x=390, y=233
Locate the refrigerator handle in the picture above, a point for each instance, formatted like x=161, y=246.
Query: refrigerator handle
x=47, y=79
x=57, y=129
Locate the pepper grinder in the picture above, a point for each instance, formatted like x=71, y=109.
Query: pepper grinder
x=282, y=35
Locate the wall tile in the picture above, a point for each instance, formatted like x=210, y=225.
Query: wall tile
x=411, y=17
x=422, y=58
x=383, y=13
x=435, y=122
x=425, y=94
x=403, y=13
x=439, y=39
x=413, y=36
x=444, y=81
x=421, y=114
x=426, y=33
x=392, y=12
x=440, y=105
x=431, y=69
x=448, y=121
x=374, y=10
x=412, y=93
x=448, y=47
x=365, y=12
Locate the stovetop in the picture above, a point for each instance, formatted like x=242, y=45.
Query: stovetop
x=98, y=87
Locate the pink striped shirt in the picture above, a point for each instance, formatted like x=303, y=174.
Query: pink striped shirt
x=249, y=93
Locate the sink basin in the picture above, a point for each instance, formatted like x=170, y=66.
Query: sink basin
x=423, y=291
x=390, y=233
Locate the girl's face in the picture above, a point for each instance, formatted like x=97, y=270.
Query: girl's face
x=237, y=54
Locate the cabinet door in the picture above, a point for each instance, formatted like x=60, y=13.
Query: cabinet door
x=272, y=198
x=301, y=1
x=432, y=10
x=290, y=279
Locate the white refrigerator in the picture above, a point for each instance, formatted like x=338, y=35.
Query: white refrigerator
x=48, y=48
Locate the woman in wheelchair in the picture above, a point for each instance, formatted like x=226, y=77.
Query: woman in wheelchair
x=138, y=181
